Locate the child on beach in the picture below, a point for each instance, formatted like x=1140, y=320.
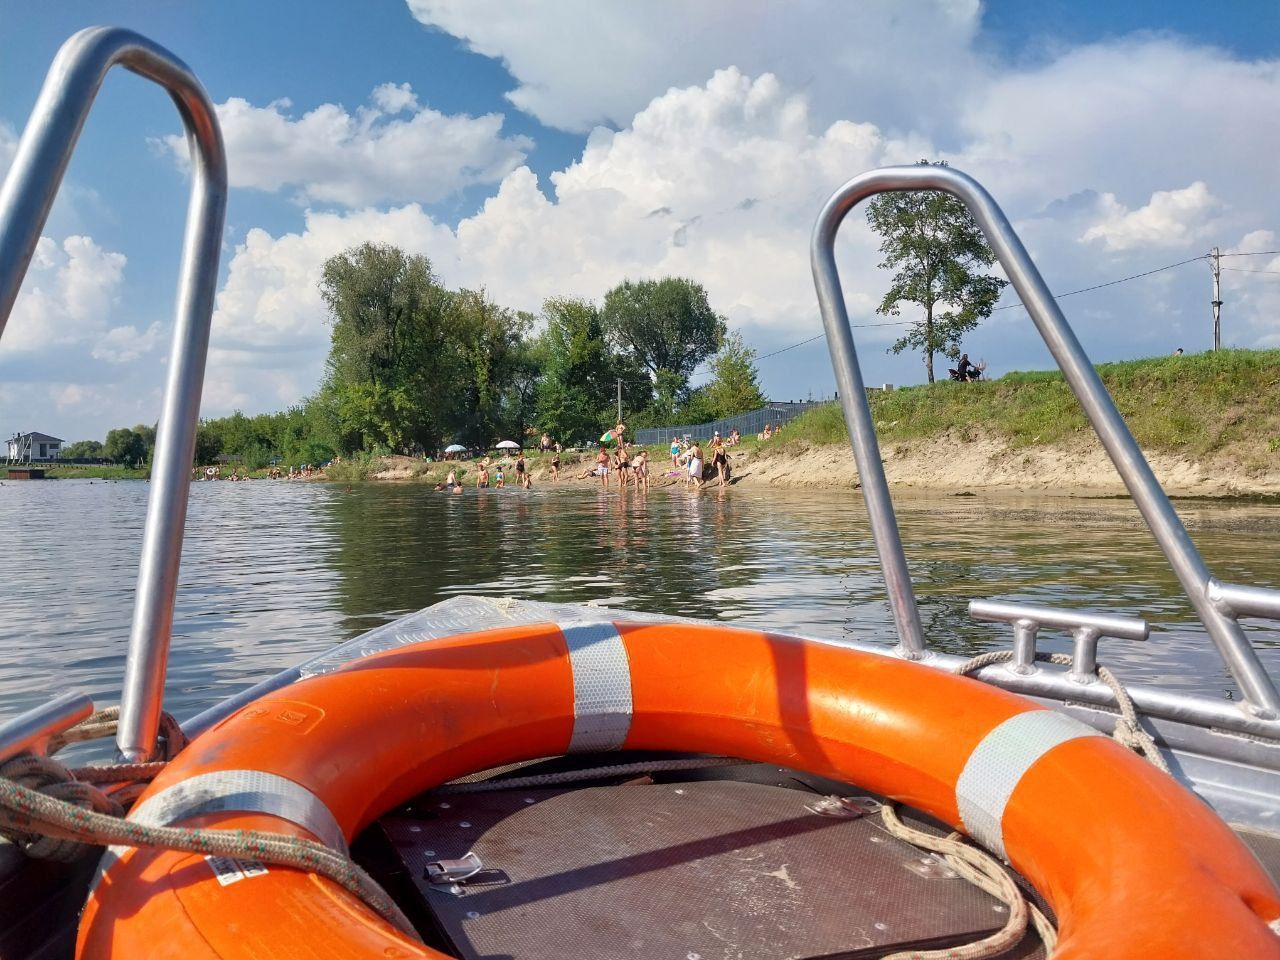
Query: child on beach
x=499, y=478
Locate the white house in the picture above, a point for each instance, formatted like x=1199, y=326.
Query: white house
x=34, y=446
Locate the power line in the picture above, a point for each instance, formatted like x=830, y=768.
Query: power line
x=1112, y=283
x=1056, y=296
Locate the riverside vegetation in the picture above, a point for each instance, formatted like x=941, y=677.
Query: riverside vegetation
x=1210, y=423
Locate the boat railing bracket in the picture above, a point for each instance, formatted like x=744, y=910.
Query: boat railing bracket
x=1086, y=630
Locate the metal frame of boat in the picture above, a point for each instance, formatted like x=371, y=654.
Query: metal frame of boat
x=1228, y=752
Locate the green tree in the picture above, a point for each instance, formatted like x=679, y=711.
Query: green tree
x=82, y=449
x=208, y=443
x=491, y=388
x=125, y=446
x=667, y=325
x=940, y=256
x=148, y=436
x=579, y=372
x=389, y=364
x=734, y=387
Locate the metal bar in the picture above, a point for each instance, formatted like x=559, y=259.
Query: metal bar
x=28, y=731
x=1235, y=600
x=1239, y=656
x=857, y=415
x=1108, y=625
x=28, y=193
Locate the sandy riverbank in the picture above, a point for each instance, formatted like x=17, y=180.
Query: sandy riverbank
x=943, y=464
x=948, y=464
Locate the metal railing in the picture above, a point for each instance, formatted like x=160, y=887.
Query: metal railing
x=38, y=166
x=1217, y=605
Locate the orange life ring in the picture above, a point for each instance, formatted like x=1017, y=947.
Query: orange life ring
x=1134, y=865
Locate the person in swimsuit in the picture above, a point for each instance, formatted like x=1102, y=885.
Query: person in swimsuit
x=719, y=458
x=499, y=478
x=602, y=467
x=675, y=453
x=641, y=467
x=482, y=478
x=451, y=480
x=555, y=466
x=522, y=472
x=622, y=464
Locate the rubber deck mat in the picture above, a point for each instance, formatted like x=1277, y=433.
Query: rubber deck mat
x=708, y=870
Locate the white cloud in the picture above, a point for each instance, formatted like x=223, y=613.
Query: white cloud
x=718, y=182
x=1172, y=218
x=580, y=63
x=125, y=344
x=396, y=150
x=69, y=294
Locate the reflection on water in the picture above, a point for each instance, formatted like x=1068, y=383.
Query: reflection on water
x=275, y=572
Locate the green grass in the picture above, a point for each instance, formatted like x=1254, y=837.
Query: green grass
x=73, y=471
x=1195, y=404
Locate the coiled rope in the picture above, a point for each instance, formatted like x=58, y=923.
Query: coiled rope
x=54, y=812
x=984, y=870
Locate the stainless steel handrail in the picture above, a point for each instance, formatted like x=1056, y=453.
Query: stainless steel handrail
x=32, y=730
x=25, y=199
x=1260, y=696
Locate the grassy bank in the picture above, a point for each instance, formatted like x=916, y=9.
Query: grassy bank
x=1195, y=405
x=73, y=471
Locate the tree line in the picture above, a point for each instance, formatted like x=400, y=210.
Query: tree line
x=414, y=366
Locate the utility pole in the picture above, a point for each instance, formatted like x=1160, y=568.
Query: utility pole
x=619, y=399
x=1216, y=267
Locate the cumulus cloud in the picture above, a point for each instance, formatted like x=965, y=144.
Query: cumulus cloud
x=394, y=150
x=581, y=63
x=718, y=182
x=68, y=297
x=1172, y=218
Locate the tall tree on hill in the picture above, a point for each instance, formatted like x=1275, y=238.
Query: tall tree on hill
x=667, y=324
x=940, y=256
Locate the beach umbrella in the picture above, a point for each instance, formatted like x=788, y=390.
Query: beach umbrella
x=607, y=438
x=508, y=445
x=455, y=448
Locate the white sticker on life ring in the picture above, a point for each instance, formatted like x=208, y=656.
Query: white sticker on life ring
x=229, y=870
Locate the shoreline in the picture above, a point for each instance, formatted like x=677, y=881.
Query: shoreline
x=945, y=465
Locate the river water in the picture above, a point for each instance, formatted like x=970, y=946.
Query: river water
x=275, y=572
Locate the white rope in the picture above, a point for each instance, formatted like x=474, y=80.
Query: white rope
x=984, y=871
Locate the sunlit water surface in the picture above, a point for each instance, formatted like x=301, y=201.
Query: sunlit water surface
x=276, y=572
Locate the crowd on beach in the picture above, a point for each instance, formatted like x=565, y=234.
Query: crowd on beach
x=616, y=460
x=305, y=471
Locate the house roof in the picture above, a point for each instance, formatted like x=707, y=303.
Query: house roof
x=38, y=437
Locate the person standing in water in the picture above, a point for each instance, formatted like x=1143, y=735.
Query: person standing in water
x=602, y=466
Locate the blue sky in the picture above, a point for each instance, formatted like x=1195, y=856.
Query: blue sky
x=559, y=148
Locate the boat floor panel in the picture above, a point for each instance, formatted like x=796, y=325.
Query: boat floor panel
x=1265, y=846
x=692, y=870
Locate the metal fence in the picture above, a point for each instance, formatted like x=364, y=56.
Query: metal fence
x=747, y=424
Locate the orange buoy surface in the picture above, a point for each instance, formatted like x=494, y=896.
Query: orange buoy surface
x=1134, y=865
